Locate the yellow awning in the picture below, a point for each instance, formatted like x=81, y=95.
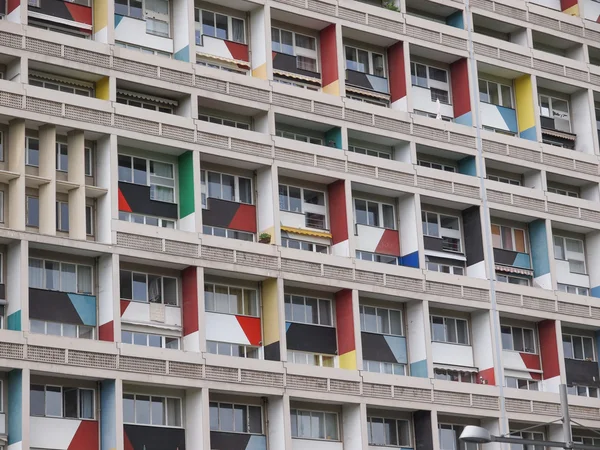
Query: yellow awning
x=296, y=76
x=304, y=232
x=367, y=93
x=221, y=58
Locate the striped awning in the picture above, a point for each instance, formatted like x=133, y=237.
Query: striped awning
x=283, y=73
x=511, y=269
x=368, y=93
x=559, y=134
x=150, y=98
x=222, y=58
x=305, y=232
x=60, y=79
x=456, y=368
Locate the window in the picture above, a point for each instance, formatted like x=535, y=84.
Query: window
x=518, y=339
x=380, y=320
x=146, y=50
x=229, y=417
x=365, y=61
x=527, y=435
x=314, y=425
x=564, y=192
x=58, y=401
x=230, y=300
x=62, y=85
x=449, y=435
x=160, y=176
x=62, y=157
x=225, y=187
x=1, y=206
x=432, y=78
x=495, y=93
x=60, y=276
x=32, y=151
x=227, y=349
x=578, y=347
x=570, y=289
x=303, y=47
x=299, y=137
x=450, y=330
x=498, y=130
x=89, y=162
x=146, y=102
x=454, y=375
x=157, y=16
x=512, y=279
x=33, y=211
x=315, y=311
x=221, y=66
x=143, y=287
x=368, y=256
x=307, y=201
x=445, y=268
x=374, y=214
x=226, y=122
x=131, y=8
x=89, y=220
x=304, y=245
x=220, y=26
x=508, y=238
x=432, y=115
x=583, y=391
x=369, y=152
x=149, y=340
x=148, y=220
x=585, y=440
x=366, y=99
x=61, y=329
x=504, y=180
x=62, y=216
x=443, y=227
x=1, y=145
x=310, y=359
x=226, y=233
x=522, y=383
x=437, y=166
x=152, y=410
x=388, y=432
x=571, y=250
x=383, y=367
x=308, y=86
x=555, y=108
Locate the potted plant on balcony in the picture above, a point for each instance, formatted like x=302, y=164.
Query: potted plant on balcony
x=390, y=4
x=264, y=238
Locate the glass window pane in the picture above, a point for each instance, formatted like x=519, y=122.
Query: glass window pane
x=228, y=192
x=86, y=404
x=53, y=401
x=317, y=425
x=506, y=95
x=360, y=207
x=226, y=417
x=567, y=346
x=588, y=348
x=373, y=214
x=312, y=313
x=214, y=416
x=221, y=26
x=377, y=432
x=295, y=199
x=139, y=286
x=518, y=339
x=438, y=329
x=68, y=278
x=240, y=420
x=506, y=338
x=493, y=92
x=577, y=347
x=395, y=322
x=174, y=412
x=383, y=324
x=559, y=251
x=236, y=305
x=245, y=190
x=142, y=409
x=208, y=23
x=158, y=411
x=388, y=216
x=287, y=42
x=461, y=332
x=331, y=426
x=255, y=422
x=298, y=309
x=507, y=241
x=52, y=272
x=520, y=241
x=528, y=339
x=325, y=312
x=451, y=330
x=128, y=408
x=370, y=319
x=36, y=400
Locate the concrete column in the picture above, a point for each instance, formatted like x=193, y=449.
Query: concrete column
x=540, y=240
x=405, y=152
x=419, y=339
x=183, y=31
x=582, y=119
x=411, y=234
x=16, y=163
x=267, y=205
x=18, y=409
x=76, y=174
x=260, y=57
x=397, y=75
x=197, y=419
x=192, y=309
x=340, y=56
x=592, y=252
x=354, y=426
x=107, y=178
x=109, y=306
x=346, y=310
x=493, y=426
x=279, y=429
x=483, y=347
x=47, y=169
x=17, y=290
x=111, y=415
x=357, y=332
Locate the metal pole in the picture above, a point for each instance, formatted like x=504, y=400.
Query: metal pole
x=566, y=418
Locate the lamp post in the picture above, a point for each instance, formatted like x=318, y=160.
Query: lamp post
x=479, y=435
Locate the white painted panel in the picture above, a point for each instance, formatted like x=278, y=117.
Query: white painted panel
x=554, y=4
x=215, y=47
x=456, y=355
x=401, y=104
x=46, y=432
x=591, y=10
x=265, y=208
x=421, y=99
x=133, y=31
x=483, y=356
x=518, y=374
x=491, y=117
x=417, y=347
x=341, y=248
x=409, y=225
x=290, y=219
x=224, y=328
x=314, y=444
x=137, y=312
x=173, y=315
x=368, y=237
x=512, y=360
x=564, y=276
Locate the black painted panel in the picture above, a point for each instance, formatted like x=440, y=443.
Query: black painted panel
x=2, y=6
x=228, y=441
x=473, y=236
x=53, y=306
x=505, y=257
x=287, y=63
x=55, y=8
x=583, y=373
x=138, y=198
x=3, y=291
x=272, y=352
x=433, y=243
x=547, y=122
x=154, y=438
x=219, y=213
x=311, y=338
x=375, y=348
x=358, y=79
x=423, y=431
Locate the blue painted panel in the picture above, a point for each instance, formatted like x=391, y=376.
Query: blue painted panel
x=456, y=20
x=257, y=443
x=118, y=19
x=183, y=54
x=419, y=369
x=379, y=84
x=539, y=248
x=13, y=321
x=108, y=415
x=467, y=166
x=595, y=292
x=522, y=261
x=530, y=134
x=334, y=135
x=510, y=118
x=85, y=305
x=15, y=405
x=287, y=326
x=397, y=345
x=465, y=119
x=410, y=260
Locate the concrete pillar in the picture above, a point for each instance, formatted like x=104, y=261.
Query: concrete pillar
x=474, y=248
x=109, y=306
x=260, y=58
x=397, y=76
x=16, y=163
x=549, y=332
x=197, y=419
x=525, y=94
x=592, y=253
x=345, y=314
x=331, y=69
x=411, y=233
x=582, y=119
x=47, y=169
x=279, y=429
x=107, y=209
x=76, y=157
x=354, y=426
x=111, y=415
x=419, y=339
x=483, y=347
x=17, y=290
x=540, y=240
x=493, y=426
x=267, y=205
x=183, y=31
x=18, y=409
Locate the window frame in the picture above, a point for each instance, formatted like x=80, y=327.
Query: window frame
x=27, y=209
x=444, y=319
x=380, y=215
x=565, y=252
x=575, y=336
x=514, y=241
x=439, y=228
x=368, y=364
x=298, y=51
x=149, y=175
x=431, y=83
x=229, y=287
x=165, y=399
x=215, y=345
x=167, y=107
x=370, y=56
x=462, y=376
x=285, y=244
x=204, y=187
x=293, y=355
x=454, y=270
x=376, y=257
x=85, y=89
x=228, y=231
x=163, y=339
x=363, y=327
x=500, y=97
x=77, y=265
x=62, y=406
x=404, y=444
x=529, y=383
x=505, y=180
x=311, y=412
x=306, y=208
x=378, y=153
x=62, y=327
x=229, y=25
x=303, y=137
x=60, y=226
x=505, y=278
x=233, y=407
x=430, y=165
x=551, y=109
x=564, y=192
x=534, y=338
x=576, y=389
x=579, y=290
x=287, y=299
x=29, y=139
x=162, y=284
x=161, y=221
x=215, y=120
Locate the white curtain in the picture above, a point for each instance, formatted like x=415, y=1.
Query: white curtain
x=36, y=273
x=84, y=280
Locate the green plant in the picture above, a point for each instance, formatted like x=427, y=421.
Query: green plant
x=389, y=4
x=264, y=236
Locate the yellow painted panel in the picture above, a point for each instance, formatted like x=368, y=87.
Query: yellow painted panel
x=348, y=360
x=525, y=106
x=572, y=11
x=270, y=311
x=100, y=14
x=103, y=88
x=332, y=88
x=260, y=72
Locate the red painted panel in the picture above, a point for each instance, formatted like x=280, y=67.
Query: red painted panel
x=531, y=361
x=549, y=349
x=461, y=99
x=238, y=51
x=251, y=327
x=488, y=377
x=337, y=212
x=12, y=5
x=126, y=442
x=123, y=205
x=389, y=244
x=80, y=13
x=124, y=305
x=566, y=4
x=106, y=332
x=244, y=219
x=397, y=71
x=86, y=436
x=329, y=62
x=189, y=288
x=344, y=321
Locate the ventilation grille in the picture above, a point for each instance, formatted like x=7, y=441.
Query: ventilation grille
x=139, y=242
x=177, y=77
x=87, y=57
x=352, y=16
x=43, y=106
x=306, y=383
x=288, y=101
x=338, y=273
x=88, y=115
x=261, y=378
x=177, y=133
x=396, y=177
x=339, y=165
x=186, y=370
x=46, y=354
x=484, y=402
x=369, y=277
x=249, y=93
x=181, y=248
x=210, y=84
x=217, y=254
x=11, y=351
x=134, y=67
x=305, y=159
x=296, y=266
x=541, y=304
x=361, y=169
x=137, y=125
x=407, y=284
x=363, y=118
x=344, y=387
x=254, y=260
x=212, y=140
x=377, y=390
x=43, y=47
x=142, y=365
x=94, y=360
x=323, y=109
x=251, y=148
x=452, y=398
x=221, y=373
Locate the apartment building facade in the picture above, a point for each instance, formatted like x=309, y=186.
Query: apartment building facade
x=297, y=224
